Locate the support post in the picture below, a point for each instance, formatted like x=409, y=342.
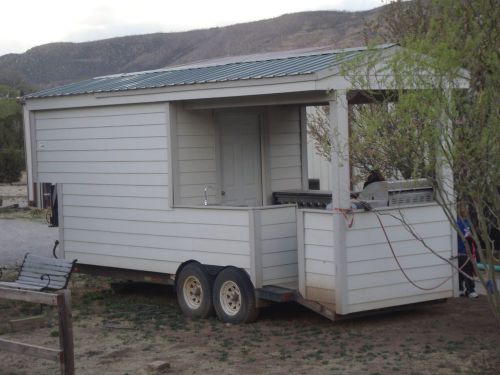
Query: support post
x=27, y=150
x=255, y=247
x=340, y=182
x=60, y=219
x=66, y=332
x=303, y=147
x=301, y=257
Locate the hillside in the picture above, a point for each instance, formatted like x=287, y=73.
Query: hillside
x=58, y=63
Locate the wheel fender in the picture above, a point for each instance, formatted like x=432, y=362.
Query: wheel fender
x=243, y=272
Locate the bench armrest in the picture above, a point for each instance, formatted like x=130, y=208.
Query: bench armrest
x=43, y=277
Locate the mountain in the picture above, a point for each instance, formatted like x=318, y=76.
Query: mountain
x=59, y=63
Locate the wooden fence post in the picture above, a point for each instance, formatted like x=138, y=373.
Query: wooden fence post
x=65, y=354
x=66, y=332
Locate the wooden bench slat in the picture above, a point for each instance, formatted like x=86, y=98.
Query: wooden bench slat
x=25, y=276
x=36, y=262
x=41, y=271
x=13, y=284
x=47, y=260
x=43, y=282
x=38, y=275
x=32, y=275
x=31, y=263
x=31, y=282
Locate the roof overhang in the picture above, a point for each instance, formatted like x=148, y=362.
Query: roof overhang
x=314, y=85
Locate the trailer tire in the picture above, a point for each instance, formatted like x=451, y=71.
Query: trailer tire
x=234, y=297
x=194, y=291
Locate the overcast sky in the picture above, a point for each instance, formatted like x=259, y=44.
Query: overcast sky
x=28, y=23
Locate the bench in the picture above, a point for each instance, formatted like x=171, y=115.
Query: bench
x=39, y=273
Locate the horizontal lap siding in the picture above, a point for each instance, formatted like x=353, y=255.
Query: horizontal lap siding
x=198, y=216
x=106, y=179
x=278, y=236
x=119, y=145
x=106, y=155
x=374, y=278
x=319, y=256
x=285, y=150
x=113, y=166
x=196, y=142
x=155, y=240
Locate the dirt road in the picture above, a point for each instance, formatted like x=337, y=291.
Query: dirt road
x=17, y=237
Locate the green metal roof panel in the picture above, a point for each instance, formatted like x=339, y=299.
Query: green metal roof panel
x=210, y=72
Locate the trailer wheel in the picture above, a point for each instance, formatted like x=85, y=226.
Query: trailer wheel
x=194, y=291
x=234, y=297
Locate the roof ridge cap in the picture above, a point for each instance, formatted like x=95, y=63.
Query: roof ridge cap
x=193, y=66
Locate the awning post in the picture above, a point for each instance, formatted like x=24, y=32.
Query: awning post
x=340, y=182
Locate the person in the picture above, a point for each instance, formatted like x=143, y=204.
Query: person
x=464, y=262
x=374, y=176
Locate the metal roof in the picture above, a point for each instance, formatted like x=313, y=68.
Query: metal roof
x=211, y=71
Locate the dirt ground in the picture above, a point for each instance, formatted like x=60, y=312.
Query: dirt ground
x=123, y=330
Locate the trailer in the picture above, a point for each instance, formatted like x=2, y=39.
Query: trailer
x=183, y=174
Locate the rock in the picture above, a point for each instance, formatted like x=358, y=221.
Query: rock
x=159, y=367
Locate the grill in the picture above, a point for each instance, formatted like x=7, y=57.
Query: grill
x=400, y=193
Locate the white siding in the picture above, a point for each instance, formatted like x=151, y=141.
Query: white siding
x=156, y=240
x=107, y=156
x=374, y=278
x=284, y=148
x=319, y=262
x=196, y=156
x=278, y=236
x=115, y=191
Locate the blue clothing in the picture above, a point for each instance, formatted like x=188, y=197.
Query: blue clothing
x=464, y=227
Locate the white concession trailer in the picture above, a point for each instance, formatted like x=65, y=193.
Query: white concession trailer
x=176, y=172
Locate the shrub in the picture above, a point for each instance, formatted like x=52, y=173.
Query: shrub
x=11, y=165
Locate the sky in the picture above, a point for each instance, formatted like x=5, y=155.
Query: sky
x=28, y=23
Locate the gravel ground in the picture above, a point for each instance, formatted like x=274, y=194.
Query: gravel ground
x=17, y=237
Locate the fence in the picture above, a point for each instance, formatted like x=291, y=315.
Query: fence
x=65, y=354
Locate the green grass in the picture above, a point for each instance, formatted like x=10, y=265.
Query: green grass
x=33, y=214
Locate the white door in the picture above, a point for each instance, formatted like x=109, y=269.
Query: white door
x=240, y=158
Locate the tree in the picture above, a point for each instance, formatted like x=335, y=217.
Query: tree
x=458, y=42
x=11, y=136
x=394, y=149
x=446, y=44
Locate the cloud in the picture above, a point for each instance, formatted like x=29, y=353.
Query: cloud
x=111, y=31
x=103, y=23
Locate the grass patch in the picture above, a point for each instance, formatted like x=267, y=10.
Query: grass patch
x=28, y=213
